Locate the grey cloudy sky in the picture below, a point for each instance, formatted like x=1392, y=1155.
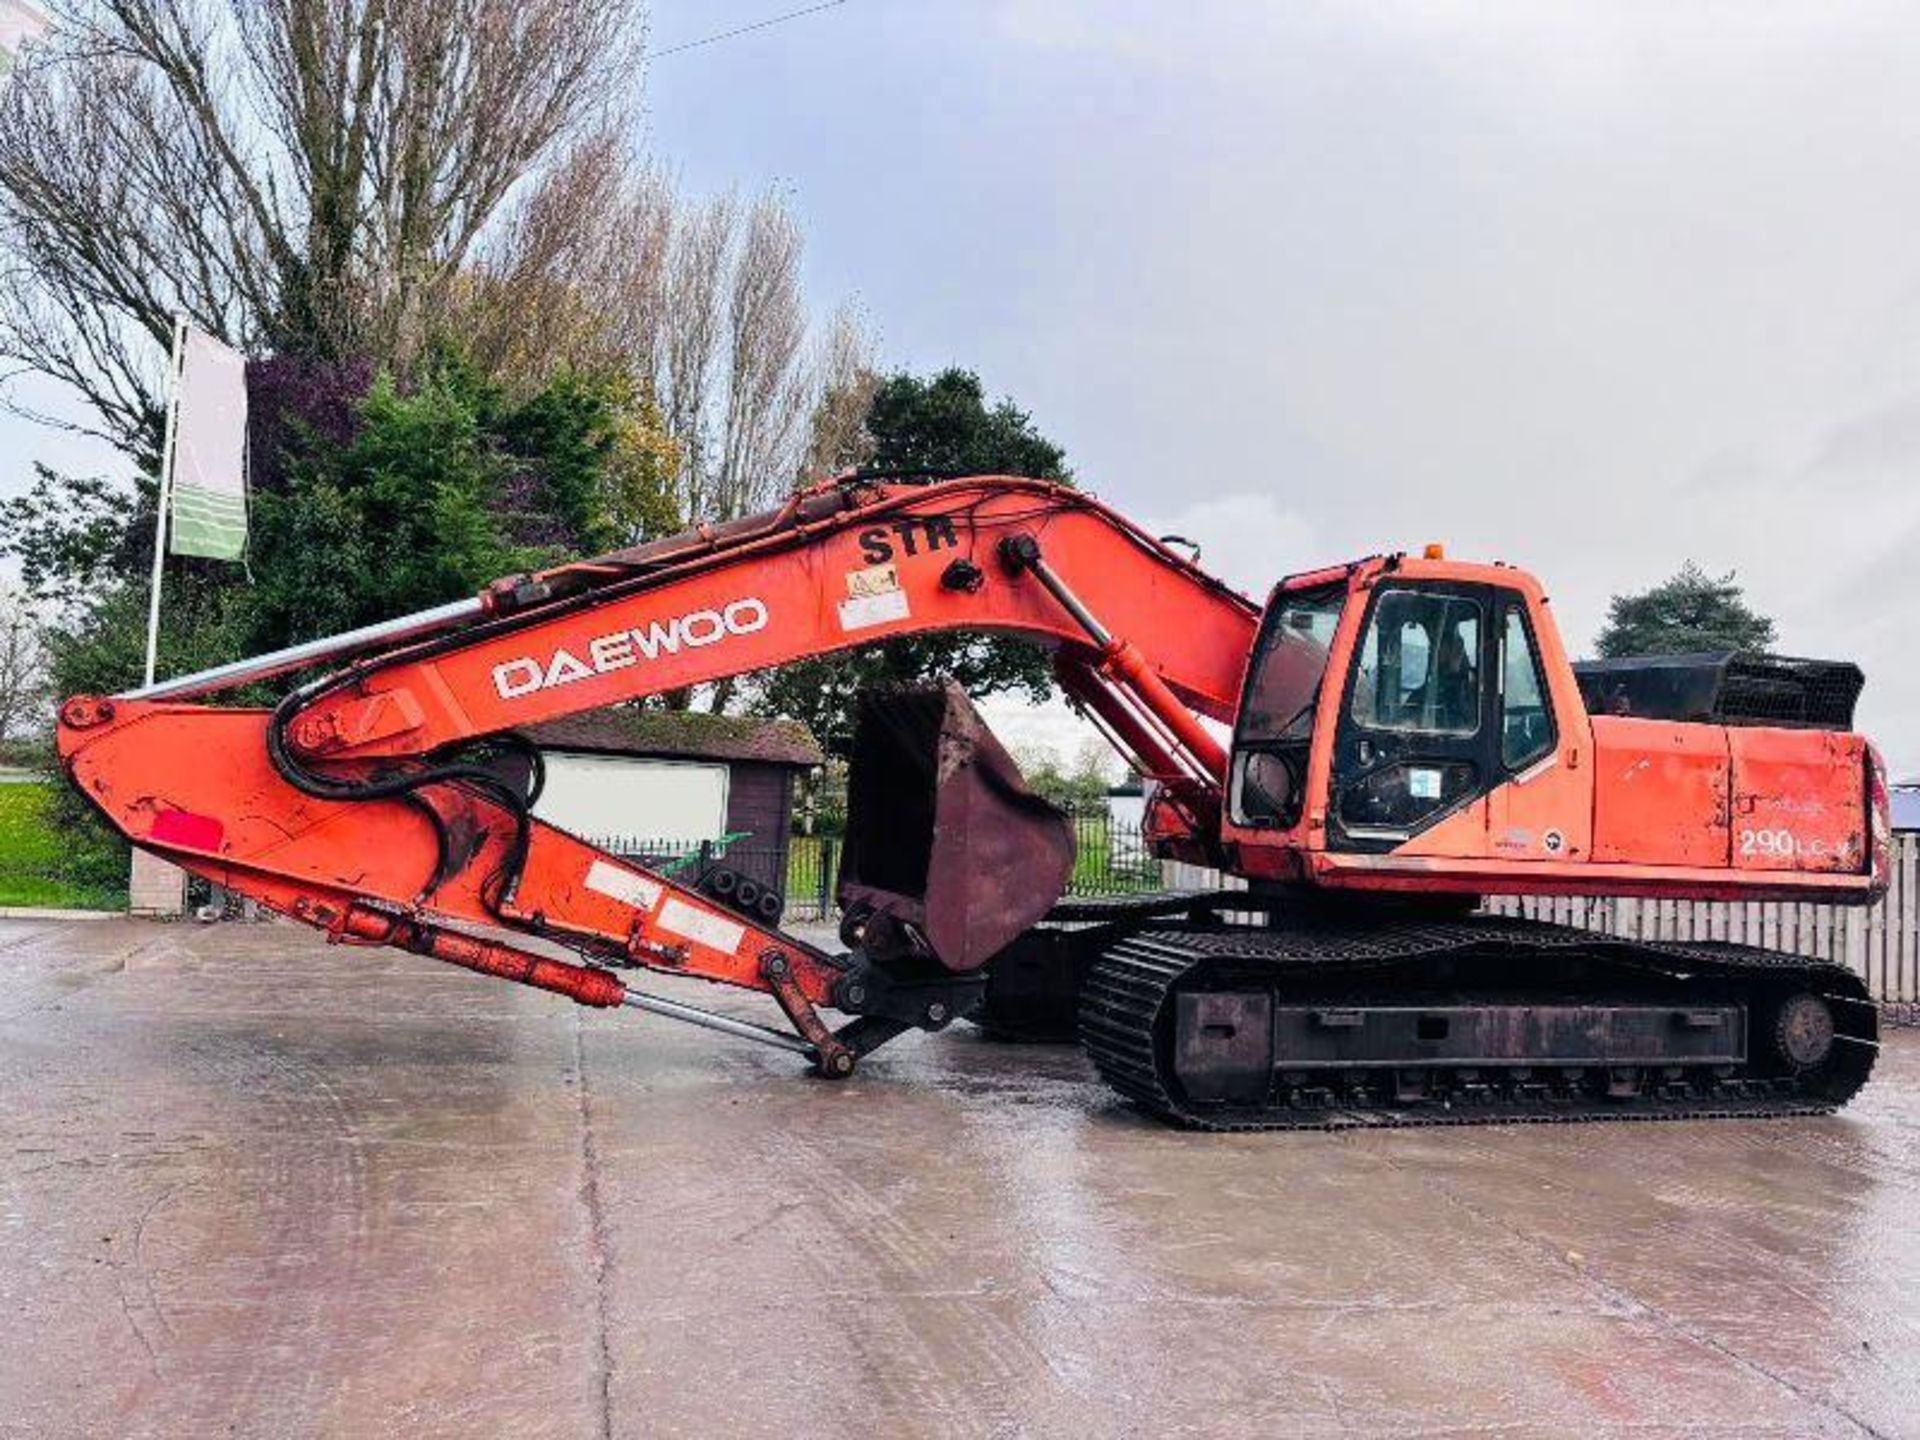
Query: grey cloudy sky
x=1591, y=288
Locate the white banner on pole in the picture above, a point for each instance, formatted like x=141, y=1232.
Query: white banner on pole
x=209, y=490
x=20, y=25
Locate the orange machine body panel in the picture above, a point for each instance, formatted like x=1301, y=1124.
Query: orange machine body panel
x=1660, y=793
x=1615, y=805
x=1798, y=804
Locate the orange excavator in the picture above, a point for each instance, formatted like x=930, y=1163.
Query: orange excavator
x=1383, y=745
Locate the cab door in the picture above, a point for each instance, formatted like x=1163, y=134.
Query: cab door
x=1542, y=808
x=1418, y=740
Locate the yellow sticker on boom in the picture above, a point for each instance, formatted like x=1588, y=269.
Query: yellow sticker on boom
x=874, y=580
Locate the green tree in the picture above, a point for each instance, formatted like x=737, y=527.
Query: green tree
x=403, y=498
x=941, y=423
x=1691, y=612
x=447, y=486
x=69, y=533
x=98, y=649
x=400, y=518
x=1081, y=788
x=945, y=423
x=599, y=466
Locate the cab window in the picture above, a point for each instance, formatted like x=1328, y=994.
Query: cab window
x=1526, y=720
x=1285, y=679
x=1419, y=667
x=1276, y=714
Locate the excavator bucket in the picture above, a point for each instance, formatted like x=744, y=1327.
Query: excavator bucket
x=947, y=850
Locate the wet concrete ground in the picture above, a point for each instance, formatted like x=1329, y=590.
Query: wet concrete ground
x=253, y=1186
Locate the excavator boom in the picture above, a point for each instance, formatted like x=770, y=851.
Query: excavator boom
x=389, y=802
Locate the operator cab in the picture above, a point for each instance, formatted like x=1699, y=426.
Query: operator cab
x=1422, y=683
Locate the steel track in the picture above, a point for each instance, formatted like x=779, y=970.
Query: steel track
x=1126, y=1004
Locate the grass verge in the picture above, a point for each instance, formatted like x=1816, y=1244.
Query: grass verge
x=40, y=868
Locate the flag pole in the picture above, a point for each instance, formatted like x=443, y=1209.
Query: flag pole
x=166, y=490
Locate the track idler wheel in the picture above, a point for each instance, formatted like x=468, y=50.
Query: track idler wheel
x=1803, y=1032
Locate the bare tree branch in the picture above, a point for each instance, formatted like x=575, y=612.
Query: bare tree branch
x=24, y=680
x=699, y=301
x=309, y=175
x=838, y=438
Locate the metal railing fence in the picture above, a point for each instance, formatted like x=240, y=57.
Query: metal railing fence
x=1880, y=942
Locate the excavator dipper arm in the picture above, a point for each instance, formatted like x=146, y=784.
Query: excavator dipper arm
x=390, y=802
